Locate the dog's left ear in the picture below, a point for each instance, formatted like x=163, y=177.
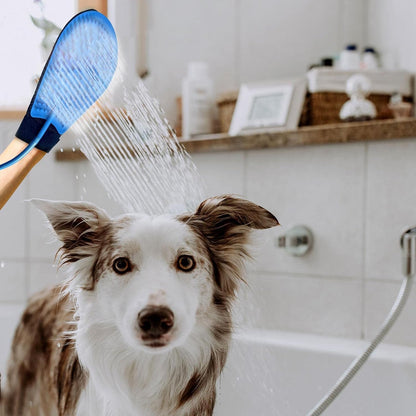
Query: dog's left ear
x=78, y=225
x=225, y=223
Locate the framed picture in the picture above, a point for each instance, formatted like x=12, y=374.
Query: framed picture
x=272, y=105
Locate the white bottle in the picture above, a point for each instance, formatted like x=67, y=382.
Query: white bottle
x=370, y=60
x=197, y=101
x=349, y=58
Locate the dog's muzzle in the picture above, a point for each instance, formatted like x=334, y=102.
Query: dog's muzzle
x=155, y=322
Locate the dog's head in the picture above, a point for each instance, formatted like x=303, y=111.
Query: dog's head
x=155, y=279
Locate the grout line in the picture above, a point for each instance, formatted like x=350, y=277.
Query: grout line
x=341, y=25
x=284, y=274
x=365, y=22
x=13, y=302
x=237, y=42
x=245, y=159
x=364, y=239
x=295, y=275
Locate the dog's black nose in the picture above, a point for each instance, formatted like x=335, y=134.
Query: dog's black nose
x=155, y=321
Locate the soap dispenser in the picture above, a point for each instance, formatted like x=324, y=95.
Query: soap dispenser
x=197, y=101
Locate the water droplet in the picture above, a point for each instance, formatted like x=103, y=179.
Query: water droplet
x=73, y=149
x=58, y=345
x=2, y=264
x=62, y=150
x=77, y=177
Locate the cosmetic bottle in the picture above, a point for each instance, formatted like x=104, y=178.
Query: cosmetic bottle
x=197, y=101
x=369, y=59
x=349, y=58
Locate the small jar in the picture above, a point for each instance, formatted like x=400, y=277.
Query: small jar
x=349, y=58
x=370, y=59
x=398, y=107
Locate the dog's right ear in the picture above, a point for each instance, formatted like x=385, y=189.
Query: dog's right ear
x=225, y=223
x=78, y=225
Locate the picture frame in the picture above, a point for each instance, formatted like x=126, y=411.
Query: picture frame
x=268, y=106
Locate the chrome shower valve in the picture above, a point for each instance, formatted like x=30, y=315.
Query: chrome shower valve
x=297, y=241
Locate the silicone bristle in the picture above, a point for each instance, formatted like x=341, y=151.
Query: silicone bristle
x=79, y=70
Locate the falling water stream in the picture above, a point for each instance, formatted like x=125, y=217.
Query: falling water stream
x=136, y=154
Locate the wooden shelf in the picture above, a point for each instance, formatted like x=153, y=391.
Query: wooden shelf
x=304, y=136
x=12, y=114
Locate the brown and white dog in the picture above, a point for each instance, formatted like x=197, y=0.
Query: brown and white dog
x=142, y=325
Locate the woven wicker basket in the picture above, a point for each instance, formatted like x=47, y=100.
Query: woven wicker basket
x=226, y=104
x=324, y=107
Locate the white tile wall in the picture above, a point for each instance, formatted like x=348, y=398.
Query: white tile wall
x=279, y=44
x=229, y=179
x=12, y=281
x=42, y=275
x=391, y=204
x=13, y=223
x=245, y=40
x=355, y=197
x=322, y=188
x=391, y=30
x=379, y=297
x=306, y=304
x=9, y=317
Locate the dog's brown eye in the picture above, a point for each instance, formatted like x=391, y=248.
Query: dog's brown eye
x=121, y=265
x=186, y=263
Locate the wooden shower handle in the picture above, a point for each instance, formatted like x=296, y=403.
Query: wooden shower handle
x=11, y=177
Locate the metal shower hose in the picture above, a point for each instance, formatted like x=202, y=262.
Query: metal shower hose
x=408, y=243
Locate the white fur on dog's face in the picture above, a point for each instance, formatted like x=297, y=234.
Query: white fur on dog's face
x=152, y=245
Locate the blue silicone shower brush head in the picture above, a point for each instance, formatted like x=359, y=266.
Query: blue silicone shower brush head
x=78, y=71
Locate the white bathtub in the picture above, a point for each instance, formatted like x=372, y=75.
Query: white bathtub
x=272, y=373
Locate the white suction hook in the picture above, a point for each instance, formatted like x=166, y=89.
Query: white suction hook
x=408, y=244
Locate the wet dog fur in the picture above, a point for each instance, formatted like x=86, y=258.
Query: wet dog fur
x=85, y=348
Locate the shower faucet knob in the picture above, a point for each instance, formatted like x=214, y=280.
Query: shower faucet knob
x=297, y=241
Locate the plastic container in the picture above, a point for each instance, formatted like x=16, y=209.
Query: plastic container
x=349, y=58
x=398, y=107
x=197, y=101
x=370, y=59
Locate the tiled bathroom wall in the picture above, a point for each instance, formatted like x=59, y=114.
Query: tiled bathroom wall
x=356, y=198
x=391, y=28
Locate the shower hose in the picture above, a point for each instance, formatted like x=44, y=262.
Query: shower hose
x=408, y=244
